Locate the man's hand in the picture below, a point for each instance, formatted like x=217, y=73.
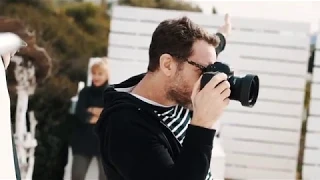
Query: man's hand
x=95, y=111
x=225, y=29
x=210, y=102
x=94, y=120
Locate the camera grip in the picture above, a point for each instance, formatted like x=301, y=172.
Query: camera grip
x=206, y=77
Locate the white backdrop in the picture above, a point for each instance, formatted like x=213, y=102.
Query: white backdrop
x=311, y=162
x=261, y=142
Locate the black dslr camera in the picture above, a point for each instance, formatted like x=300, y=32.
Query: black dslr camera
x=243, y=89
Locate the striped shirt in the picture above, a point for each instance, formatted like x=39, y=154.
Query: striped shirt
x=175, y=118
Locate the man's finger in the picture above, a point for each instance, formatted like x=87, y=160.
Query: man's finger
x=196, y=88
x=227, y=19
x=216, y=79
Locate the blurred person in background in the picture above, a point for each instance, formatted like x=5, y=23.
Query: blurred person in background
x=84, y=142
x=9, y=166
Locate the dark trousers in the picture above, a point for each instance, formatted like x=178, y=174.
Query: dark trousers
x=80, y=166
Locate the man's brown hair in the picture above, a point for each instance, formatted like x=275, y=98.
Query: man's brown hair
x=176, y=37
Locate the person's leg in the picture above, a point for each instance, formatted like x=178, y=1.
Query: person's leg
x=102, y=175
x=80, y=165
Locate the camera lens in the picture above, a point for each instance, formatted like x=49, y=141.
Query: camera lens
x=252, y=90
x=245, y=90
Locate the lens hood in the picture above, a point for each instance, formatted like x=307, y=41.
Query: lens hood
x=249, y=90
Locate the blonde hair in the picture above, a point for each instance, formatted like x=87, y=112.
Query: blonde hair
x=101, y=65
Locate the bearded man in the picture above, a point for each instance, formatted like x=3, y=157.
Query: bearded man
x=159, y=125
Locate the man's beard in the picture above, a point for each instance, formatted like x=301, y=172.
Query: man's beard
x=181, y=98
x=179, y=92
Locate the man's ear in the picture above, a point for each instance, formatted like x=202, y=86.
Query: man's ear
x=167, y=64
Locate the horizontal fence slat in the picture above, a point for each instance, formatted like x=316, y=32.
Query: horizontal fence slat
x=314, y=124
x=316, y=75
x=294, y=110
x=317, y=41
x=281, y=95
x=310, y=172
x=315, y=91
x=239, y=61
x=242, y=50
x=261, y=121
x=264, y=66
x=267, y=149
x=259, y=134
x=312, y=140
x=261, y=162
x=250, y=173
x=122, y=70
x=317, y=55
x=136, y=67
x=311, y=156
x=157, y=15
x=142, y=31
x=314, y=107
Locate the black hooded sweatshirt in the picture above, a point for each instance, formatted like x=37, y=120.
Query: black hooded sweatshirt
x=136, y=145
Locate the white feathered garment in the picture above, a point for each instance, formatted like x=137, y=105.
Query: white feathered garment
x=9, y=43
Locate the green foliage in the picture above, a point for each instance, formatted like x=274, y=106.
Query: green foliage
x=81, y=12
x=90, y=18
x=35, y=3
x=139, y=3
x=177, y=5
x=70, y=44
x=214, y=10
x=161, y=4
x=53, y=129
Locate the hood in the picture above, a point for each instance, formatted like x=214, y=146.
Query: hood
x=116, y=96
x=118, y=93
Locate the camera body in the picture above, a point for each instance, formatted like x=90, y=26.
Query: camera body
x=243, y=89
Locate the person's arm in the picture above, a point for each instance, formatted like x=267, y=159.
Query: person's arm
x=222, y=33
x=95, y=111
x=82, y=107
x=222, y=43
x=137, y=154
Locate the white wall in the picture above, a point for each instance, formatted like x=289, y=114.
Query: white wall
x=260, y=142
x=295, y=11
x=311, y=166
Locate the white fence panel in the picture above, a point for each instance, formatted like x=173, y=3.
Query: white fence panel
x=311, y=161
x=260, y=142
